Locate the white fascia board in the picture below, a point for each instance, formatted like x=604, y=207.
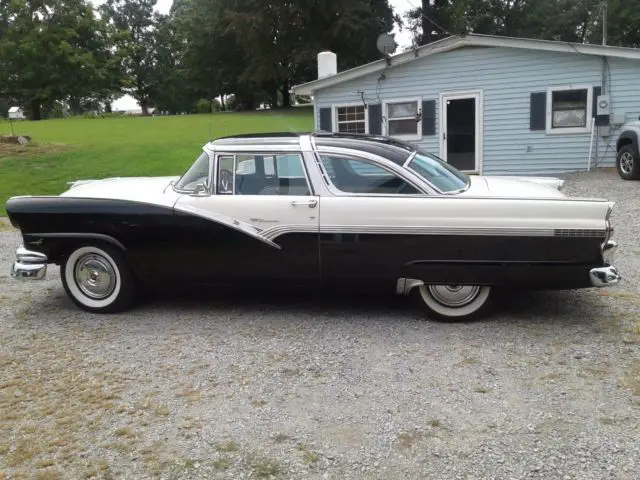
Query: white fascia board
x=554, y=46
x=444, y=45
x=455, y=42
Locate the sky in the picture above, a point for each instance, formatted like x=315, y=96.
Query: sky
x=403, y=39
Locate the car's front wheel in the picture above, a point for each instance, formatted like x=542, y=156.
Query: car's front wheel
x=628, y=164
x=454, y=302
x=98, y=279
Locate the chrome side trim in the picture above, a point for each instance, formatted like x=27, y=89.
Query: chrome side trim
x=29, y=265
x=230, y=222
x=274, y=232
x=580, y=232
x=604, y=276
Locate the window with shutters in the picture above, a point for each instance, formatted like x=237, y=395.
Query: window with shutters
x=350, y=119
x=569, y=109
x=403, y=118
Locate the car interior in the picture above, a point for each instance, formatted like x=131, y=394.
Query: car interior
x=269, y=175
x=282, y=175
x=360, y=177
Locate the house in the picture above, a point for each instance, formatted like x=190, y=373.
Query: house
x=16, y=113
x=487, y=104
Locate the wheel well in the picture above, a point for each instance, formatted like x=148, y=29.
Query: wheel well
x=623, y=142
x=63, y=249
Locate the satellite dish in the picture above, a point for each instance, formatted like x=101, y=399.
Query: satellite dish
x=386, y=44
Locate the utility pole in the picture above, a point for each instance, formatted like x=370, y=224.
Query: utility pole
x=604, y=22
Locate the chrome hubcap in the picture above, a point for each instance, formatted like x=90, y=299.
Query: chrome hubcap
x=626, y=162
x=95, y=276
x=454, y=295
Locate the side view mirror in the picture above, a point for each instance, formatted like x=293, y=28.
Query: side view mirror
x=200, y=190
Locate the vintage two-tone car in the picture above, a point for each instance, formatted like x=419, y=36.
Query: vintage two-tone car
x=319, y=209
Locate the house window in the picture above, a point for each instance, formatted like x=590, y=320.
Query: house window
x=351, y=119
x=403, y=119
x=569, y=110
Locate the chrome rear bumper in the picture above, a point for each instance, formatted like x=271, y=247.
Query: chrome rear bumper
x=29, y=265
x=608, y=275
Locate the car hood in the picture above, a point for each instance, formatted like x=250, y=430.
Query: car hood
x=141, y=189
x=529, y=187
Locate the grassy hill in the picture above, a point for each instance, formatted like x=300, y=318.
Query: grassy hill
x=71, y=149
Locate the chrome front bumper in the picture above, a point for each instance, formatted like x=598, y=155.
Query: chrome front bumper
x=608, y=275
x=29, y=265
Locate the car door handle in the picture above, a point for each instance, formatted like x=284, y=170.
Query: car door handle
x=310, y=203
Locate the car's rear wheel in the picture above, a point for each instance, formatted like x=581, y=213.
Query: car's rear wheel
x=454, y=302
x=628, y=163
x=98, y=279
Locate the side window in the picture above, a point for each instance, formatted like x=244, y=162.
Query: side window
x=352, y=175
x=268, y=174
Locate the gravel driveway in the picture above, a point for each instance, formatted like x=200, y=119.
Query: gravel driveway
x=249, y=387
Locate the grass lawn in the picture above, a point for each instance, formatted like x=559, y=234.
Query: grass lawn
x=70, y=149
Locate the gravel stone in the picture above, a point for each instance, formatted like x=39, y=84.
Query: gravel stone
x=266, y=386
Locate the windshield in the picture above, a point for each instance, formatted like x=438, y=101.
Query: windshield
x=197, y=173
x=437, y=172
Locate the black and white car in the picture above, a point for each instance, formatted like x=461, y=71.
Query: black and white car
x=317, y=210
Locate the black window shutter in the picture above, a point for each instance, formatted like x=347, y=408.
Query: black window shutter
x=325, y=119
x=538, y=111
x=429, y=117
x=375, y=119
x=601, y=120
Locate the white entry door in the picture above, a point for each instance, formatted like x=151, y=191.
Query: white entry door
x=461, y=130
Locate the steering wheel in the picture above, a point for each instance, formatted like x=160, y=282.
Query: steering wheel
x=225, y=181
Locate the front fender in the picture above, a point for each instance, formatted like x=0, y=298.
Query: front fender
x=53, y=244
x=629, y=136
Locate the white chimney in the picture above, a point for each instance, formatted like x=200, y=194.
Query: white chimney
x=327, y=64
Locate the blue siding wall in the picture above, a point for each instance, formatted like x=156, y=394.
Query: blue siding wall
x=506, y=77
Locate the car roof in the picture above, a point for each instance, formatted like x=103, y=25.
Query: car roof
x=387, y=147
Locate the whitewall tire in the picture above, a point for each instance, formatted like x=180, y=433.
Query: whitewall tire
x=97, y=279
x=454, y=302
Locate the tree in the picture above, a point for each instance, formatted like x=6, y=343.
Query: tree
x=134, y=22
x=562, y=20
x=212, y=60
x=170, y=89
x=51, y=49
x=281, y=38
x=623, y=21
